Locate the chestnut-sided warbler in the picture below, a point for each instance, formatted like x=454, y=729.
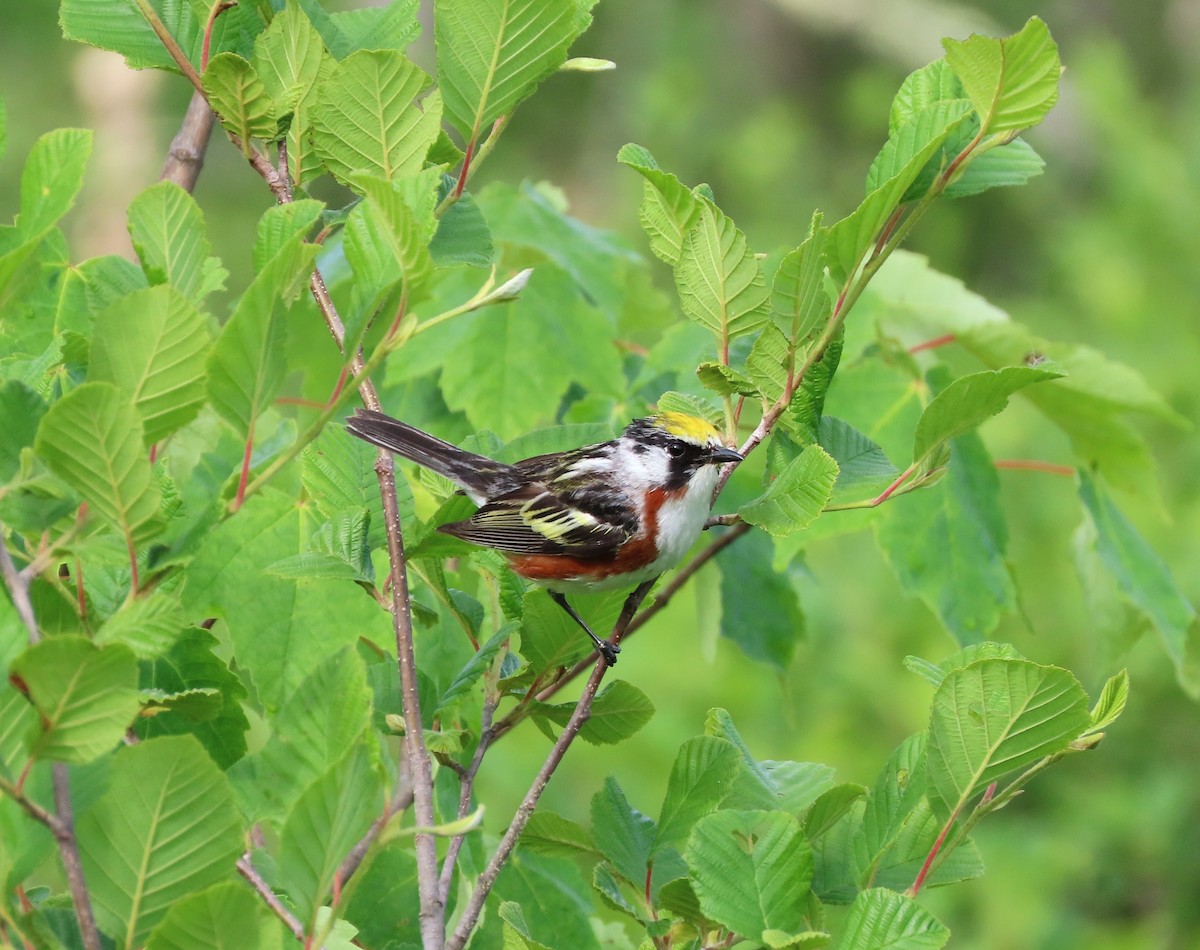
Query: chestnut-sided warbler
x=600, y=517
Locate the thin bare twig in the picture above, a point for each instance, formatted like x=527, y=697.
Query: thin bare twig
x=246, y=869
x=400, y=801
x=466, y=784
x=18, y=589
x=68, y=849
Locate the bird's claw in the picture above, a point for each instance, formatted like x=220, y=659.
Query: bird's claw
x=608, y=650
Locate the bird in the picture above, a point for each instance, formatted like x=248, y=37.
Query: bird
x=600, y=517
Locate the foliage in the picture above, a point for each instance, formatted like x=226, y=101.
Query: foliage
x=167, y=473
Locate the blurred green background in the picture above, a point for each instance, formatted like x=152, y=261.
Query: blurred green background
x=780, y=105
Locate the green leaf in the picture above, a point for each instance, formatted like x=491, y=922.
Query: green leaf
x=669, y=209
x=85, y=696
x=167, y=228
x=493, y=53
x=324, y=824
x=771, y=786
x=165, y=829
x=719, y=280
x=516, y=928
x=863, y=467
x=328, y=713
x=192, y=665
x=922, y=88
x=556, y=897
x=21, y=410
x=470, y=674
x=808, y=405
x=751, y=870
x=827, y=810
x=153, y=344
x=901, y=862
x=92, y=439
x=462, y=237
x=724, y=380
x=622, y=833
x=365, y=118
x=881, y=918
x=226, y=916
x=281, y=630
x=897, y=791
x=1111, y=703
x=239, y=99
x=619, y=710
x=489, y=377
x=120, y=26
x=1141, y=575
x=148, y=625
x=247, y=365
x=994, y=718
x=555, y=836
x=1012, y=82
x=967, y=402
x=947, y=544
x=1003, y=167
x=290, y=58
x=798, y=294
x=759, y=609
x=393, y=26
x=850, y=237
x=941, y=122
x=770, y=359
x=797, y=496
x=51, y=180
x=699, y=781
x=934, y=673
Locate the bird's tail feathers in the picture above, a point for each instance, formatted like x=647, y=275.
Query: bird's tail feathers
x=475, y=474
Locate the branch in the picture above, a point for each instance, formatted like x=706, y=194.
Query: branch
x=466, y=784
x=185, y=158
x=168, y=41
x=246, y=870
x=484, y=885
x=18, y=589
x=68, y=848
x=400, y=801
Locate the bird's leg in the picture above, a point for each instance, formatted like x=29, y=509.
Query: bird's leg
x=606, y=649
x=632, y=603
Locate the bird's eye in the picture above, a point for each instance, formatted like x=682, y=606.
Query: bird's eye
x=676, y=449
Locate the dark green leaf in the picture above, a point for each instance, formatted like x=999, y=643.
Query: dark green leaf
x=622, y=833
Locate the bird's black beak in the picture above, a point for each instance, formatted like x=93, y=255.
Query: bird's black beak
x=721, y=455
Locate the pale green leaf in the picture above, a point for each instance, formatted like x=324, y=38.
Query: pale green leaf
x=619, y=710
x=167, y=229
x=863, y=467
x=1111, y=703
x=625, y=835
x=165, y=829
x=1003, y=167
x=994, y=718
x=1012, y=82
x=148, y=625
x=769, y=362
x=668, y=208
x=921, y=89
x=699, y=781
x=51, y=179
x=365, y=118
x=947, y=544
x=881, y=919
x=327, y=820
x=226, y=916
x=751, y=870
x=239, y=98
x=940, y=122
x=153, y=344
x=1140, y=574
x=798, y=294
x=967, y=402
x=829, y=808
x=390, y=26
x=493, y=53
x=289, y=59
x=720, y=282
x=21, y=409
x=724, y=380
x=797, y=496
x=247, y=364
x=326, y=714
x=92, y=439
x=85, y=696
x=555, y=836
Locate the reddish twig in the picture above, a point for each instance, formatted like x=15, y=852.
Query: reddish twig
x=1034, y=465
x=933, y=344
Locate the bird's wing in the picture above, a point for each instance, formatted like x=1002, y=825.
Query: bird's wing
x=534, y=520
